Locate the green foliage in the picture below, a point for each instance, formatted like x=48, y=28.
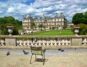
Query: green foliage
x=10, y=21
x=83, y=29
x=4, y=31
x=15, y=31
x=80, y=18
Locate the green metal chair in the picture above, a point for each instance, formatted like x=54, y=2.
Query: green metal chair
x=37, y=51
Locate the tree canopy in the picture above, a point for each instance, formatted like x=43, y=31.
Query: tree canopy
x=80, y=18
x=9, y=21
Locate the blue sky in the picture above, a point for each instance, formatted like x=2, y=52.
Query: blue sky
x=18, y=8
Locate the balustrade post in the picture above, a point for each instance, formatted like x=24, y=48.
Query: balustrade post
x=10, y=41
x=76, y=41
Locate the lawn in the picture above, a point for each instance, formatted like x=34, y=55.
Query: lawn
x=54, y=32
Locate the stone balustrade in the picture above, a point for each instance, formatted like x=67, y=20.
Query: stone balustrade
x=45, y=41
x=2, y=42
x=84, y=41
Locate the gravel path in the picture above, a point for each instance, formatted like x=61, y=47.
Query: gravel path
x=68, y=58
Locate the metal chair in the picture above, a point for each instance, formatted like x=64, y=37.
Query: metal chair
x=37, y=51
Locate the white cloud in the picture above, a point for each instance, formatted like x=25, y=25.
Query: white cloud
x=48, y=7
x=30, y=10
x=39, y=14
x=84, y=10
x=10, y=10
x=60, y=6
x=59, y=11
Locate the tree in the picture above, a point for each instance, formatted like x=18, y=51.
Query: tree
x=81, y=20
x=83, y=29
x=78, y=18
x=10, y=21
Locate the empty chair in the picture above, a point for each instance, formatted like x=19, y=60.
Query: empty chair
x=37, y=51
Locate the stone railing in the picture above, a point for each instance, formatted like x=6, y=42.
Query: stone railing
x=44, y=41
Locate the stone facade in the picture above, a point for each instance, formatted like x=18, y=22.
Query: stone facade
x=44, y=23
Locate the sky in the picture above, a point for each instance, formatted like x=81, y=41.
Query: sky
x=19, y=8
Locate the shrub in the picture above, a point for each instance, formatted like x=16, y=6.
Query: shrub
x=83, y=29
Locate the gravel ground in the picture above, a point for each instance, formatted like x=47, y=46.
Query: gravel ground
x=67, y=58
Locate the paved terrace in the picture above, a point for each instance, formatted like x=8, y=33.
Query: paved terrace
x=68, y=58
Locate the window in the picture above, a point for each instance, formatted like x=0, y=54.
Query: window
x=56, y=19
x=59, y=19
x=62, y=19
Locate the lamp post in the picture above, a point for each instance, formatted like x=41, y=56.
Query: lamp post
x=10, y=30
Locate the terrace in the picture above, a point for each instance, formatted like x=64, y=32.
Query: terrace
x=74, y=54
x=68, y=58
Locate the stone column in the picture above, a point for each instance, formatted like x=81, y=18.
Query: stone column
x=10, y=41
x=76, y=41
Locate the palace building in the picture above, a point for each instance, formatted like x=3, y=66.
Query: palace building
x=44, y=23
